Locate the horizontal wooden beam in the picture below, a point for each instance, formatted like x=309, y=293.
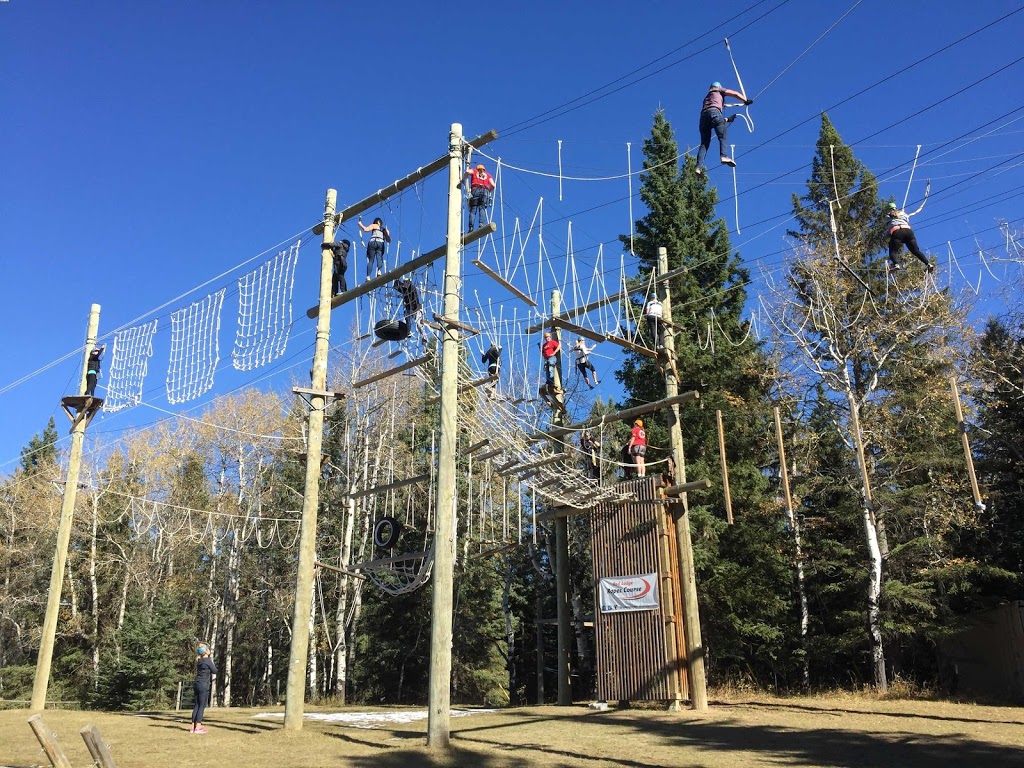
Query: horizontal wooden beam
x=503, y=282
x=465, y=387
x=328, y=394
x=640, y=350
x=477, y=446
x=389, y=486
x=626, y=414
x=401, y=270
x=402, y=184
x=490, y=454
x=579, y=330
x=392, y=371
x=695, y=485
x=456, y=324
x=336, y=569
x=386, y=560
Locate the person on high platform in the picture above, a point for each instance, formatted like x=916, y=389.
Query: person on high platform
x=712, y=119
x=638, y=446
x=549, y=353
x=92, y=371
x=481, y=190
x=339, y=256
x=379, y=237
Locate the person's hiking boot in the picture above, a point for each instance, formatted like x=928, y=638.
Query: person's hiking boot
x=728, y=161
x=699, y=171
x=199, y=729
x=895, y=267
x=931, y=268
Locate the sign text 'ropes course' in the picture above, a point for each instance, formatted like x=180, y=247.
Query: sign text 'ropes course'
x=629, y=593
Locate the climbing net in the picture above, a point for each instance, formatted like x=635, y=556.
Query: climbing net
x=265, y=311
x=195, y=350
x=129, y=363
x=402, y=574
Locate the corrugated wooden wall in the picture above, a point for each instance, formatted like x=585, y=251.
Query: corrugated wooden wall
x=639, y=652
x=986, y=660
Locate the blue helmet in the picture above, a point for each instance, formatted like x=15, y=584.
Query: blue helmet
x=716, y=84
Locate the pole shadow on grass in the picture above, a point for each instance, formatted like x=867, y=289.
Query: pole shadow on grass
x=841, y=711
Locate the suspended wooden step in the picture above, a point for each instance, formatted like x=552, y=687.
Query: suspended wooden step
x=442, y=321
x=490, y=454
x=79, y=407
x=466, y=387
x=393, y=371
x=579, y=330
x=478, y=445
x=390, y=486
x=503, y=282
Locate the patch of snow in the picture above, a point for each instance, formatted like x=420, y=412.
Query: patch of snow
x=372, y=720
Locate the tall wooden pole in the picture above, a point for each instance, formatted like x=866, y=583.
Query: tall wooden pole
x=725, y=467
x=805, y=620
x=687, y=572
x=962, y=426
x=563, y=607
x=440, y=691
x=67, y=514
x=299, y=653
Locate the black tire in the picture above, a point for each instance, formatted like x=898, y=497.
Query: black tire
x=386, y=532
x=391, y=330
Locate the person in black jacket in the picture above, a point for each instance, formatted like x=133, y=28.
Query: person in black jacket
x=340, y=256
x=92, y=372
x=493, y=359
x=205, y=670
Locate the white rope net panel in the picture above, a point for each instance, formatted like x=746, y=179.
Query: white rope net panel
x=403, y=574
x=129, y=363
x=195, y=351
x=265, y=311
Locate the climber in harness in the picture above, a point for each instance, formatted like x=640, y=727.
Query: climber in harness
x=900, y=234
x=591, y=448
x=379, y=237
x=481, y=191
x=493, y=359
x=712, y=119
x=409, y=295
x=339, y=253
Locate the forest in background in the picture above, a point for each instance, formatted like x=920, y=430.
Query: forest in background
x=186, y=531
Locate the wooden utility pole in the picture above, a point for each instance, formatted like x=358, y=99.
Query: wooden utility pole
x=687, y=573
x=440, y=690
x=563, y=613
x=67, y=514
x=295, y=699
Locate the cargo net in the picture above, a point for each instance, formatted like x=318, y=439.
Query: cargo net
x=129, y=363
x=195, y=351
x=265, y=311
x=401, y=574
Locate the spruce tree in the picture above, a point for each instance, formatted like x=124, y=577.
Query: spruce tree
x=745, y=581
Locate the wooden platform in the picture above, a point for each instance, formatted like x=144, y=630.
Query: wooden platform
x=79, y=407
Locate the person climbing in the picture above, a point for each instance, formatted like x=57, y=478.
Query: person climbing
x=339, y=253
x=712, y=119
x=901, y=234
x=481, y=190
x=549, y=353
x=205, y=670
x=583, y=364
x=638, y=446
x=591, y=455
x=493, y=359
x=92, y=371
x=379, y=237
x=409, y=295
x=653, y=313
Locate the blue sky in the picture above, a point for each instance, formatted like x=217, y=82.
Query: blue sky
x=148, y=149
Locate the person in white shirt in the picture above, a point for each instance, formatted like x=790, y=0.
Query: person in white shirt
x=583, y=364
x=653, y=313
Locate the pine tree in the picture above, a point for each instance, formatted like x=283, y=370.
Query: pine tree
x=41, y=450
x=744, y=575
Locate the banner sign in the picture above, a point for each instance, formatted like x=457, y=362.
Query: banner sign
x=629, y=593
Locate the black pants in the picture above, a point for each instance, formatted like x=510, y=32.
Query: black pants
x=899, y=238
x=339, y=284
x=90, y=384
x=202, y=699
x=653, y=324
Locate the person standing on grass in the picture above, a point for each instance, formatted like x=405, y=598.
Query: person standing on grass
x=205, y=670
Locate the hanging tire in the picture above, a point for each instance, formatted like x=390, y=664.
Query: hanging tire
x=391, y=330
x=386, y=532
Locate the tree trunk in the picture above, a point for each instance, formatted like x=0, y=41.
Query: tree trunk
x=874, y=608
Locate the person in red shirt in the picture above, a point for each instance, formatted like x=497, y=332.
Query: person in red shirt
x=712, y=119
x=549, y=352
x=481, y=188
x=638, y=446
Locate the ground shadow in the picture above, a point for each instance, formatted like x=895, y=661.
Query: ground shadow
x=839, y=711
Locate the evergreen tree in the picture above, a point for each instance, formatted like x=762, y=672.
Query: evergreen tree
x=744, y=574
x=40, y=451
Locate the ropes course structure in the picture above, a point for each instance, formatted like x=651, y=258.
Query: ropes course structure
x=265, y=311
x=129, y=364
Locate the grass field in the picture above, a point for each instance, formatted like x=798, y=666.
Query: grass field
x=737, y=732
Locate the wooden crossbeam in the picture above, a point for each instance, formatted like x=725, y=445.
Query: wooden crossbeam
x=624, y=415
x=336, y=569
x=503, y=282
x=402, y=184
x=456, y=324
x=579, y=330
x=507, y=466
x=478, y=445
x=401, y=270
x=640, y=350
x=542, y=462
x=465, y=388
x=490, y=454
x=327, y=394
x=385, y=560
x=694, y=485
x=389, y=486
x=392, y=371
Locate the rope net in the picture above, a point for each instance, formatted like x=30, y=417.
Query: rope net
x=129, y=363
x=265, y=311
x=195, y=351
x=402, y=574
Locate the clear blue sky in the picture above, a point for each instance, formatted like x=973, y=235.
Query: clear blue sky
x=147, y=148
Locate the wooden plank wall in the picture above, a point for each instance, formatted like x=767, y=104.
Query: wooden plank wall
x=985, y=660
x=634, y=660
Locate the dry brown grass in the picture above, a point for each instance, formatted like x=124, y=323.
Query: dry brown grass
x=739, y=731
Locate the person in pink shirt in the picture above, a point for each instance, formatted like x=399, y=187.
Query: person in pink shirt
x=712, y=119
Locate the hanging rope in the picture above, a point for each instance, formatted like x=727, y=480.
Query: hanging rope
x=745, y=114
